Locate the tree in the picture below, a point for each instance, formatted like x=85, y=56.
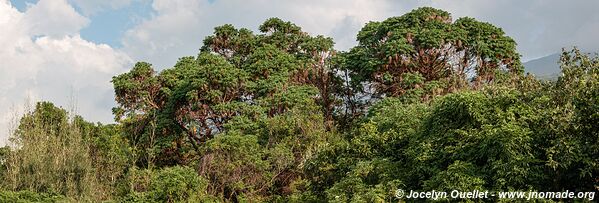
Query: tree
x=139, y=97
x=424, y=49
x=529, y=136
x=235, y=74
x=262, y=160
x=51, y=155
x=312, y=55
x=571, y=138
x=3, y=156
x=430, y=104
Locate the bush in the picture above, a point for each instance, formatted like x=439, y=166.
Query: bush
x=173, y=184
x=29, y=196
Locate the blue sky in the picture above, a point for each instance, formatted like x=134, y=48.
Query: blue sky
x=66, y=51
x=109, y=26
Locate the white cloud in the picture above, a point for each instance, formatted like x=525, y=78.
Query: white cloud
x=41, y=61
x=53, y=18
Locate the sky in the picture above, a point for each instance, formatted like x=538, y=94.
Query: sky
x=66, y=51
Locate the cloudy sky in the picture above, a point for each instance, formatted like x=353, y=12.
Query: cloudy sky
x=66, y=51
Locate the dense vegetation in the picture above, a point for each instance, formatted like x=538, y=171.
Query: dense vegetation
x=423, y=102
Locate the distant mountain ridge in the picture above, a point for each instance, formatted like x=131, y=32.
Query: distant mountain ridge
x=545, y=67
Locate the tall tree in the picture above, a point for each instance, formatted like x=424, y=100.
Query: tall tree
x=424, y=49
x=236, y=73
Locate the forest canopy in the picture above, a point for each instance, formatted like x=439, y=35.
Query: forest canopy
x=422, y=102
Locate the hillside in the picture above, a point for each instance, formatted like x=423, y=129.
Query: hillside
x=545, y=67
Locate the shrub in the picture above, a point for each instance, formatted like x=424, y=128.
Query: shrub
x=29, y=196
x=173, y=184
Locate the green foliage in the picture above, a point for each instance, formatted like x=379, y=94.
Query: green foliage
x=29, y=196
x=234, y=166
x=51, y=155
x=173, y=184
x=573, y=144
x=263, y=159
x=59, y=155
x=427, y=44
x=367, y=181
x=167, y=116
x=110, y=155
x=421, y=103
x=530, y=136
x=3, y=157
